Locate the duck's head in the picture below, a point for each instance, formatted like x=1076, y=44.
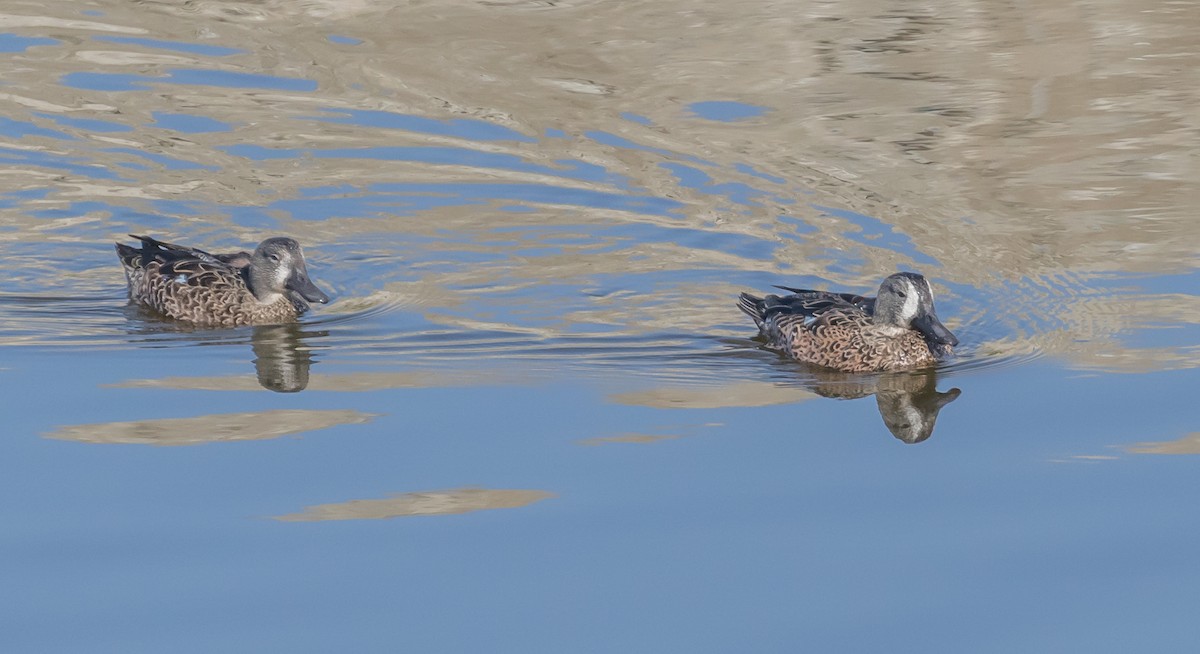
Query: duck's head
x=905, y=300
x=277, y=268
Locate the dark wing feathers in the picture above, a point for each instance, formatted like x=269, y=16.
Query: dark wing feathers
x=805, y=310
x=187, y=265
x=811, y=304
x=152, y=247
x=866, y=304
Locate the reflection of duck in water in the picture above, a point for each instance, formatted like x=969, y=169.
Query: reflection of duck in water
x=909, y=402
x=281, y=360
x=897, y=330
x=268, y=286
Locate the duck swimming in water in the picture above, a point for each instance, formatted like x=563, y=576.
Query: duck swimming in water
x=896, y=330
x=268, y=286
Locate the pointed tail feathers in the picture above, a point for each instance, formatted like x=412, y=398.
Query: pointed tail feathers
x=753, y=306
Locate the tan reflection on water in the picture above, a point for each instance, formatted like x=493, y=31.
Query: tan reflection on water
x=629, y=438
x=673, y=432
x=738, y=394
x=1189, y=444
x=216, y=428
x=1030, y=150
x=445, y=502
x=362, y=381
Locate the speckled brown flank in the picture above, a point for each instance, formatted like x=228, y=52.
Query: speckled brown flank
x=845, y=341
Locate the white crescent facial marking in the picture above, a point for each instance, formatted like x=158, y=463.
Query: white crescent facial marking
x=281, y=275
x=911, y=301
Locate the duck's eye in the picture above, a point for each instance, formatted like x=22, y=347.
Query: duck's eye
x=273, y=257
x=902, y=294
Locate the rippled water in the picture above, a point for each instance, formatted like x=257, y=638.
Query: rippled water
x=532, y=417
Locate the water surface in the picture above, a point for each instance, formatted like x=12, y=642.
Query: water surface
x=532, y=419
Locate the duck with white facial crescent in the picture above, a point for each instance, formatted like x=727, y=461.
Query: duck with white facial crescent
x=896, y=330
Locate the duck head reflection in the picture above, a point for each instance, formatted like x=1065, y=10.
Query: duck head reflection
x=909, y=401
x=910, y=414
x=281, y=360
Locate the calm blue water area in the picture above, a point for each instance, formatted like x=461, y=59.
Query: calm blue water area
x=876, y=233
x=87, y=124
x=637, y=118
x=17, y=129
x=553, y=133
x=1182, y=282
x=176, y=46
x=16, y=43
x=170, y=163
x=54, y=161
x=188, y=123
x=464, y=128
x=344, y=40
x=726, y=111
x=758, y=520
x=197, y=77
x=750, y=170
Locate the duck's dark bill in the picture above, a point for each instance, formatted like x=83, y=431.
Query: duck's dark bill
x=934, y=330
x=300, y=283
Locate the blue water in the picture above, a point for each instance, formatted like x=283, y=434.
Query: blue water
x=532, y=418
